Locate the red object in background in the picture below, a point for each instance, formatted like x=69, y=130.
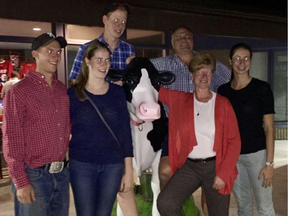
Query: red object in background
x=25, y=67
x=1, y=87
x=6, y=68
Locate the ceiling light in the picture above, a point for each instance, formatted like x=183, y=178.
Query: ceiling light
x=37, y=29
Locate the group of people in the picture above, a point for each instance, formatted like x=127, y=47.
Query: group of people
x=222, y=142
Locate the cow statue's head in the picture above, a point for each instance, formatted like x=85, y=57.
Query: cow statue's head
x=141, y=82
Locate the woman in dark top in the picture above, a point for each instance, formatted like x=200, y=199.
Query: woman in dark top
x=97, y=159
x=253, y=103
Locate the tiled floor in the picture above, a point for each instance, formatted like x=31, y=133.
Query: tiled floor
x=279, y=188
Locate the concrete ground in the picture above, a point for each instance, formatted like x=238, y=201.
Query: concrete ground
x=279, y=188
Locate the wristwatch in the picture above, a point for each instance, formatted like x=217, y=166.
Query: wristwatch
x=270, y=164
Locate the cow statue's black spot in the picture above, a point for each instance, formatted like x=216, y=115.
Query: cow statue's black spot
x=131, y=77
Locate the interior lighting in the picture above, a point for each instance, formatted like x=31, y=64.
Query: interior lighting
x=37, y=29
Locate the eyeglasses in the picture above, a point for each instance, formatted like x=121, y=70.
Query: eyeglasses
x=185, y=37
x=239, y=59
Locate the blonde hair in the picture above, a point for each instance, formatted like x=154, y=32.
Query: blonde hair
x=202, y=60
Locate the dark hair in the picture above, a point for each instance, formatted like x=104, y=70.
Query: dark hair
x=234, y=49
x=239, y=46
x=81, y=81
x=202, y=60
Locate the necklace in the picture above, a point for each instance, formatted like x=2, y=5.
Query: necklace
x=198, y=110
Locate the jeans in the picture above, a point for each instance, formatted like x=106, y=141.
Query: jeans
x=249, y=167
x=95, y=187
x=51, y=191
x=185, y=181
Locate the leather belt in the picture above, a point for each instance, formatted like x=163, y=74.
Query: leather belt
x=202, y=160
x=55, y=167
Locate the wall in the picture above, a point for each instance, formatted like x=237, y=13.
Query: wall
x=158, y=16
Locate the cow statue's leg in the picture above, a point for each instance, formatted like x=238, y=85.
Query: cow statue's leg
x=155, y=183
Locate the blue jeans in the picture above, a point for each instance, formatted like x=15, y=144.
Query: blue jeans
x=95, y=187
x=51, y=191
x=249, y=167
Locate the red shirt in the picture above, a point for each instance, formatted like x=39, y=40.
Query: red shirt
x=25, y=67
x=182, y=138
x=36, y=125
x=6, y=68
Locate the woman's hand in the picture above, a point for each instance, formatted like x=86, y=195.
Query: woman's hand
x=268, y=173
x=218, y=183
x=127, y=182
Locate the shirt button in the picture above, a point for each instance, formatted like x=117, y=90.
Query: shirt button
x=58, y=124
x=56, y=111
x=60, y=138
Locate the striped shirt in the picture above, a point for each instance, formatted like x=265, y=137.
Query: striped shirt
x=36, y=125
x=117, y=58
x=183, y=81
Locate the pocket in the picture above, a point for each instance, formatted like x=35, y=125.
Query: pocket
x=34, y=174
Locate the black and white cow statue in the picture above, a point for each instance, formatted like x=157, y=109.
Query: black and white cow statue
x=141, y=82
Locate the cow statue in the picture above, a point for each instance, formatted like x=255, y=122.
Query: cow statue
x=141, y=82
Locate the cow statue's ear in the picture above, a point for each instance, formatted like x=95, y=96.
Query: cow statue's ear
x=115, y=74
x=167, y=77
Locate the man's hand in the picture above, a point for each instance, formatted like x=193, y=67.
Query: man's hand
x=26, y=195
x=218, y=183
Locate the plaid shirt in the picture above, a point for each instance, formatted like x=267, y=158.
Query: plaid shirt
x=117, y=59
x=36, y=125
x=183, y=81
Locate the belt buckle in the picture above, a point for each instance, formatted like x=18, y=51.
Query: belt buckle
x=56, y=167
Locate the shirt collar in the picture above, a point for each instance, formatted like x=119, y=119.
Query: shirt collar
x=101, y=39
x=40, y=77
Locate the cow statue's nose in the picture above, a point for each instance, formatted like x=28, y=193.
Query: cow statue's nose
x=148, y=111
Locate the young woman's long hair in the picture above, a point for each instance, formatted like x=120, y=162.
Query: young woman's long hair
x=82, y=79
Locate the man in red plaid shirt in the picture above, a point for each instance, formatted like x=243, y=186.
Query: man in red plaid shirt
x=36, y=129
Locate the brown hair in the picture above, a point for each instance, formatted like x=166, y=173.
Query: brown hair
x=202, y=60
x=81, y=81
x=14, y=74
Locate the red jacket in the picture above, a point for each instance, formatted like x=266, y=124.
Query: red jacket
x=182, y=136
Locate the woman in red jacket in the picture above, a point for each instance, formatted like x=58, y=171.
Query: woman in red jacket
x=204, y=143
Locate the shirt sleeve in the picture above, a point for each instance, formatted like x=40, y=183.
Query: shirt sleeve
x=76, y=68
x=233, y=140
x=13, y=139
x=126, y=132
x=267, y=99
x=158, y=63
x=221, y=76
